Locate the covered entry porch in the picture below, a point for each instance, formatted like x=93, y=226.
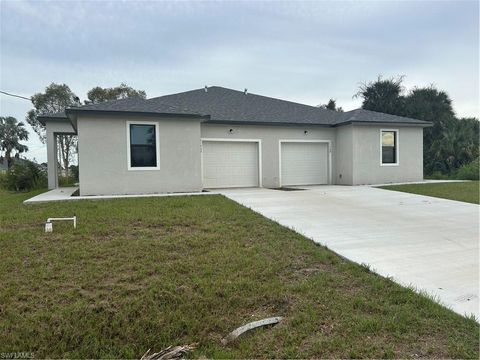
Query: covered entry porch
x=56, y=125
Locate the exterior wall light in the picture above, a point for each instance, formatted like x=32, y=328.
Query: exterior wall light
x=306, y=132
x=230, y=131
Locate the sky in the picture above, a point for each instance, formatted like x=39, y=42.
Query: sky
x=306, y=52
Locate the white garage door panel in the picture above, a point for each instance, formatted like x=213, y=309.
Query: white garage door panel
x=304, y=163
x=230, y=164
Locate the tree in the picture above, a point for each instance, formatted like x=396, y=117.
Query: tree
x=123, y=91
x=431, y=104
x=55, y=99
x=331, y=105
x=457, y=145
x=382, y=95
x=11, y=133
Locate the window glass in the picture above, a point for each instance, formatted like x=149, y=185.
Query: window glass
x=389, y=147
x=143, y=147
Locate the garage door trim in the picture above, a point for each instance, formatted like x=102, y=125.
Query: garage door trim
x=258, y=141
x=329, y=151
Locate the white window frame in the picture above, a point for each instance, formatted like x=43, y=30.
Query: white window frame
x=157, y=146
x=258, y=141
x=329, y=149
x=397, y=147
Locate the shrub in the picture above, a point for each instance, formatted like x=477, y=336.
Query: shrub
x=24, y=177
x=437, y=175
x=469, y=171
x=3, y=179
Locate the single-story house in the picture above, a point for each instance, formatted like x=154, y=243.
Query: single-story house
x=216, y=137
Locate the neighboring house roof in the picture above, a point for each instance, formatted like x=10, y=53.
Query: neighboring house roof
x=221, y=105
x=3, y=164
x=16, y=159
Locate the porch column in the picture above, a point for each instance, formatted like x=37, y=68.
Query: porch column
x=52, y=161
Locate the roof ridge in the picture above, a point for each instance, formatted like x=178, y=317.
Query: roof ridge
x=278, y=99
x=249, y=93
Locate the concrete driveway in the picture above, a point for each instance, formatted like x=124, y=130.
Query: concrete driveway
x=428, y=243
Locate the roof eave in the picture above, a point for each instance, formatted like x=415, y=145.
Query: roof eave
x=73, y=112
x=43, y=119
x=278, y=123
x=405, y=123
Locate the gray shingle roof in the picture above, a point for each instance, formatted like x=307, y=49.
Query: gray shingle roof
x=113, y=105
x=361, y=115
x=227, y=105
x=223, y=105
x=135, y=105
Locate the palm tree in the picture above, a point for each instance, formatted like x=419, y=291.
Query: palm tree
x=11, y=133
x=458, y=144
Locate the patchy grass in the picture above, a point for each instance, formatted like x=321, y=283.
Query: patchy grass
x=152, y=272
x=461, y=191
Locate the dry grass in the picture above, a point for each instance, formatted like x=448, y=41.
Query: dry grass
x=141, y=274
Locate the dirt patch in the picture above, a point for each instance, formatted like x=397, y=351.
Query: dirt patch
x=303, y=268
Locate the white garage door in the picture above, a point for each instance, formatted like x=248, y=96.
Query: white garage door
x=304, y=163
x=230, y=164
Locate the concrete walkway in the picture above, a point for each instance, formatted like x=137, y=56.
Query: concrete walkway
x=65, y=194
x=429, y=243
x=62, y=193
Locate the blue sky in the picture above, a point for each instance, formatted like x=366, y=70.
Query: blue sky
x=302, y=51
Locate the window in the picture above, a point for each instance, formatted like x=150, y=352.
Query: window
x=389, y=147
x=143, y=146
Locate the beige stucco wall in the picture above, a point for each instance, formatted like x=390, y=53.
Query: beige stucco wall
x=367, y=149
x=355, y=154
x=102, y=157
x=270, y=136
x=344, y=155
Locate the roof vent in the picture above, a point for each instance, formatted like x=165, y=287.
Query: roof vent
x=245, y=91
x=206, y=88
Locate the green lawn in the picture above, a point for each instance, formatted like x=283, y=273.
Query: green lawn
x=461, y=191
x=147, y=273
